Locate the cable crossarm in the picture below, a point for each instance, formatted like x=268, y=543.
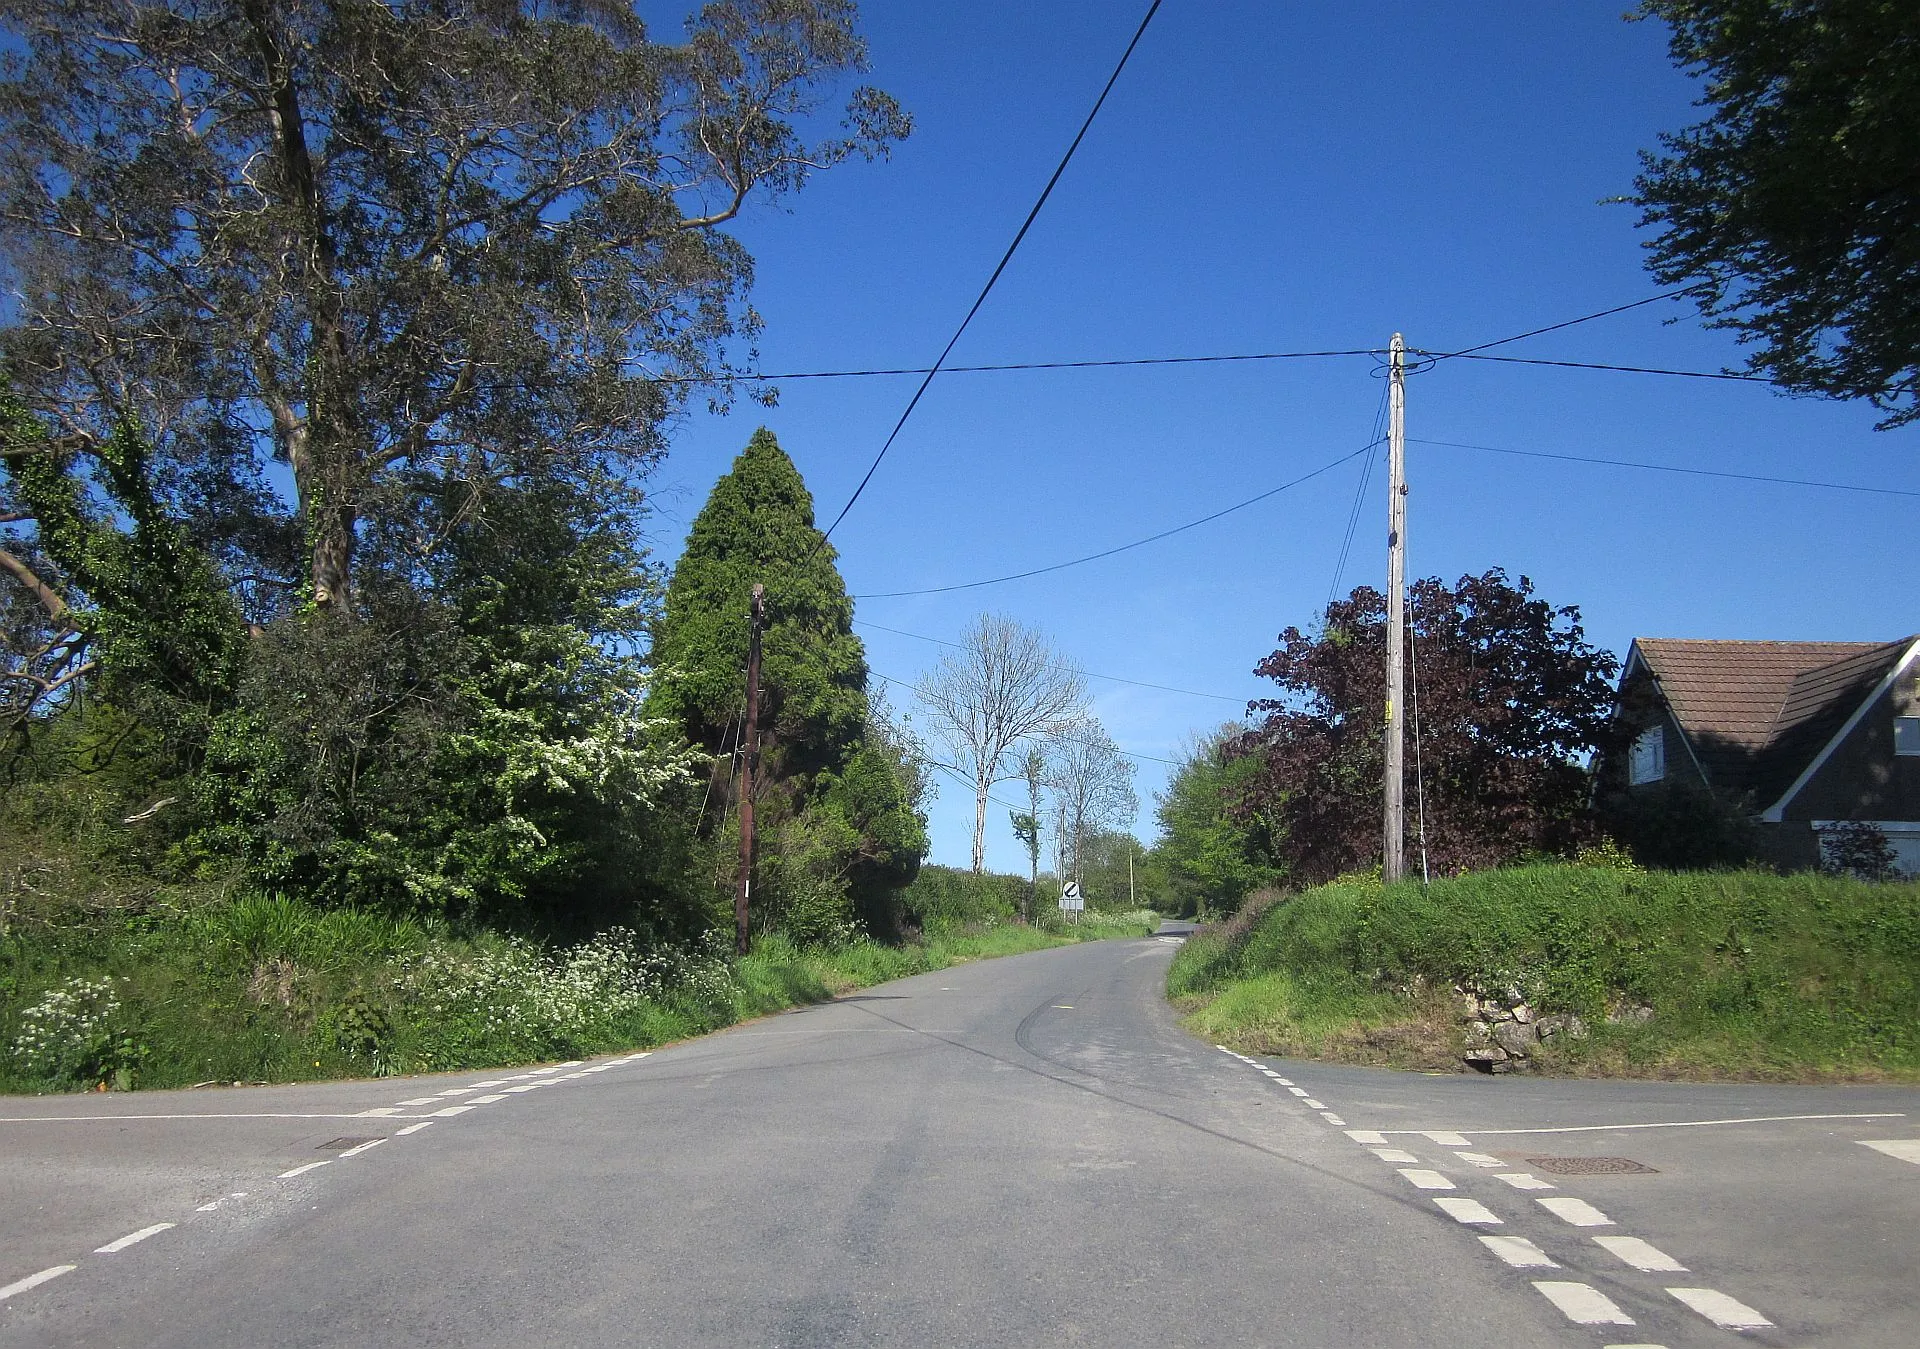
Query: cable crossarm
x=1124, y=547
x=1005, y=258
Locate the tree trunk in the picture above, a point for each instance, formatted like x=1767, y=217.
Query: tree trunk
x=979, y=828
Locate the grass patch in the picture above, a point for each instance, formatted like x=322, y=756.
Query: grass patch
x=1701, y=975
x=259, y=989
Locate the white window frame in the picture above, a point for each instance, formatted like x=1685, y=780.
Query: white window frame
x=1908, y=743
x=1904, y=835
x=1647, y=760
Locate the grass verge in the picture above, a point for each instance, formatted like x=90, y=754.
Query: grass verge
x=1732, y=976
x=258, y=989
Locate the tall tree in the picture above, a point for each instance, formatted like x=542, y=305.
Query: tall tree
x=1027, y=824
x=1794, y=205
x=394, y=244
x=1005, y=685
x=1215, y=852
x=1512, y=702
x=1093, y=784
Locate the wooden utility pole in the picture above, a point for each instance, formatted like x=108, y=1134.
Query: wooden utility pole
x=1393, y=862
x=750, y=745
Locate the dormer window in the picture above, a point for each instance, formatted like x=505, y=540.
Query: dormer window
x=1648, y=761
x=1906, y=735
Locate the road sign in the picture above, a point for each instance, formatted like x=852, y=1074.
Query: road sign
x=1070, y=897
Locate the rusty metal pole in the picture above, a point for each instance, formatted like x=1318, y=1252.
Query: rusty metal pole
x=750, y=746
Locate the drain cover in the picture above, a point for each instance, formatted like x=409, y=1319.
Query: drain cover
x=341, y=1144
x=1590, y=1166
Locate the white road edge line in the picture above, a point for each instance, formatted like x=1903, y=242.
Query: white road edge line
x=35, y=1280
x=1445, y=1137
x=302, y=1170
x=130, y=1238
x=1720, y=1309
x=1519, y=1252
x=1582, y=1304
x=1642, y=1255
x=1576, y=1211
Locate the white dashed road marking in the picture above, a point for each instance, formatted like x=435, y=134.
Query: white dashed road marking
x=1443, y=1138
x=302, y=1170
x=1641, y=1255
x=1479, y=1159
x=356, y=1151
x=131, y=1238
x=1297, y=1091
x=1426, y=1180
x=1519, y=1252
x=454, y=1110
x=1906, y=1149
x=1371, y=1138
x=488, y=1100
x=1331, y=1118
x=1467, y=1211
x=35, y=1280
x=1576, y=1211
x=1583, y=1305
x=1394, y=1155
x=414, y=1128
x=1720, y=1309
x=422, y=1100
x=1312, y=1104
x=1525, y=1180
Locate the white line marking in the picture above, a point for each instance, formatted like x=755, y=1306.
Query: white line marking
x=1519, y=1252
x=302, y=1170
x=1636, y=1346
x=1466, y=1210
x=1583, y=1305
x=542, y=1072
x=1446, y=1139
x=570, y=1063
x=1525, y=1180
x=526, y=1086
x=460, y=1091
x=422, y=1100
x=1641, y=1255
x=1906, y=1149
x=370, y=1143
x=488, y=1100
x=1331, y=1118
x=1439, y=1136
x=1368, y=1137
x=484, y=1086
x=568, y=1077
x=1312, y=1104
x=454, y=1110
x=1576, y=1211
x=1720, y=1309
x=382, y=1110
x=1285, y=1082
x=130, y=1238
x=1479, y=1159
x=1393, y=1155
x=601, y=1067
x=115, y=1119
x=1269, y=1072
x=414, y=1128
x=1297, y=1091
x=35, y=1280
x=1426, y=1180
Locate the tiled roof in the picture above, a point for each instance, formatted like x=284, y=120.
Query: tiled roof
x=1756, y=713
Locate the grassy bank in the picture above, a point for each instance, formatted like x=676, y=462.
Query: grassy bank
x=1721, y=975
x=272, y=990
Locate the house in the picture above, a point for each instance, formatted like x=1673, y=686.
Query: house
x=1803, y=735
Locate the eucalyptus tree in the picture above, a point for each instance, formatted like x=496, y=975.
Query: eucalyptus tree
x=1005, y=685
x=395, y=245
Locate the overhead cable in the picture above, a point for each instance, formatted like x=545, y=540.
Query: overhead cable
x=1566, y=323
x=1006, y=258
x=1124, y=547
x=1071, y=669
x=1672, y=468
x=1733, y=375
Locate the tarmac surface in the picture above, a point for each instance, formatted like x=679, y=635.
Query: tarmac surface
x=1019, y=1151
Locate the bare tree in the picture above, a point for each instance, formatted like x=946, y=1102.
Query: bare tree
x=1092, y=783
x=1005, y=685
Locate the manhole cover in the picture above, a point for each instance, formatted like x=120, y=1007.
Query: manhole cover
x=341, y=1144
x=1590, y=1166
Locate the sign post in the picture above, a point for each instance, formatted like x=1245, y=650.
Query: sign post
x=1070, y=898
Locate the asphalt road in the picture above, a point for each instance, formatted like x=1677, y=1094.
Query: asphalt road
x=1022, y=1151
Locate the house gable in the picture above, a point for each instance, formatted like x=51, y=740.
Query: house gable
x=1854, y=772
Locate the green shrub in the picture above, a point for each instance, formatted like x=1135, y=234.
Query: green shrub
x=947, y=898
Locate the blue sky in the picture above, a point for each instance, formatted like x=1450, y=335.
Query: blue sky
x=1267, y=177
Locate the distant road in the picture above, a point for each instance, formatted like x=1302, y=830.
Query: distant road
x=1024, y=1151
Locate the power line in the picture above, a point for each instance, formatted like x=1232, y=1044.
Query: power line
x=1006, y=258
x=1359, y=498
x=1072, y=669
x=1124, y=547
x=1673, y=468
x=1015, y=365
x=1600, y=365
x=1567, y=323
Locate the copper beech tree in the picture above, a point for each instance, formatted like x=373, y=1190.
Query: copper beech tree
x=1512, y=703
